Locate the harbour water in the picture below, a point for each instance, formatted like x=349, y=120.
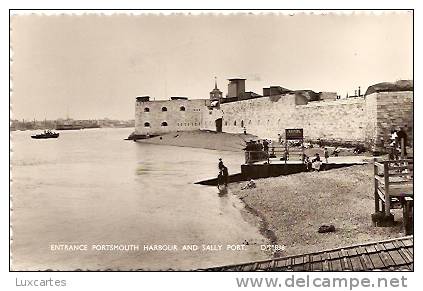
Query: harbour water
x=90, y=187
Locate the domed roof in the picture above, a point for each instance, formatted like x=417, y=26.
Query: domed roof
x=401, y=85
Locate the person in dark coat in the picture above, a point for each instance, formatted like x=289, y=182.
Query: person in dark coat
x=225, y=175
x=402, y=135
x=220, y=165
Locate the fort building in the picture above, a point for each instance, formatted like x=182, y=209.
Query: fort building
x=365, y=119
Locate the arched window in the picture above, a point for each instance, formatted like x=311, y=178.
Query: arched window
x=242, y=123
x=235, y=123
x=164, y=123
x=164, y=109
x=146, y=124
x=226, y=122
x=146, y=109
x=249, y=121
x=279, y=120
x=182, y=108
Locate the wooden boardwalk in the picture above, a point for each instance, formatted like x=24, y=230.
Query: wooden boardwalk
x=388, y=255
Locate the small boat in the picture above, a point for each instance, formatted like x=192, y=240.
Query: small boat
x=46, y=134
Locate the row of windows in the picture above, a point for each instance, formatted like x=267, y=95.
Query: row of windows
x=188, y=124
x=235, y=123
x=147, y=124
x=164, y=123
x=182, y=108
x=249, y=122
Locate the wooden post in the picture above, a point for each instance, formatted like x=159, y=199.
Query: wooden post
x=402, y=148
x=376, y=187
x=286, y=151
x=387, y=198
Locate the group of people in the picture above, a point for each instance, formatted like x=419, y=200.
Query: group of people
x=258, y=150
x=315, y=164
x=47, y=132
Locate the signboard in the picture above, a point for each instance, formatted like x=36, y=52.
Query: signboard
x=294, y=134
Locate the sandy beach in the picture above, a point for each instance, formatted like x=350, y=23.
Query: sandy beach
x=290, y=209
x=293, y=207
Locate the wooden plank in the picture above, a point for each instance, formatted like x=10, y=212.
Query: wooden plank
x=370, y=249
x=316, y=258
x=356, y=263
x=326, y=265
x=360, y=250
x=345, y=260
x=389, y=245
x=279, y=263
x=316, y=262
x=249, y=267
x=407, y=242
x=376, y=261
x=386, y=259
x=298, y=268
x=367, y=263
x=352, y=252
x=407, y=176
x=401, y=182
x=298, y=260
x=264, y=265
x=316, y=266
x=336, y=265
x=406, y=256
x=307, y=264
x=380, y=179
x=386, y=183
x=396, y=257
x=333, y=255
x=346, y=264
x=379, y=165
x=381, y=195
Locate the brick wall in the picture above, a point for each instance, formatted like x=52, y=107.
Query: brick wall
x=393, y=110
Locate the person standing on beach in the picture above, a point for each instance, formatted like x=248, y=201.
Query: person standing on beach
x=220, y=165
x=326, y=155
x=402, y=135
x=316, y=163
x=225, y=174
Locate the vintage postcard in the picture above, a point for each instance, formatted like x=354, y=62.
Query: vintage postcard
x=275, y=141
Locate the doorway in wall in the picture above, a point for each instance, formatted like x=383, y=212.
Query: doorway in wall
x=218, y=123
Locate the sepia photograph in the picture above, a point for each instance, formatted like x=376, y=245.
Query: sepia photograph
x=210, y=141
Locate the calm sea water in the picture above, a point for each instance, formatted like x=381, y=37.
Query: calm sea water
x=92, y=187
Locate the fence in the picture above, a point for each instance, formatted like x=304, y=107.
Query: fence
x=279, y=153
x=393, y=188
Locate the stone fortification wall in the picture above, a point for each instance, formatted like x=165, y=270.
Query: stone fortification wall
x=389, y=110
x=158, y=117
x=348, y=121
x=341, y=120
x=361, y=120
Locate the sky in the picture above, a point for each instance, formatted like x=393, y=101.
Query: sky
x=93, y=66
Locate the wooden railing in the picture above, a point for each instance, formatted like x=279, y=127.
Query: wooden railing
x=274, y=152
x=393, y=186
